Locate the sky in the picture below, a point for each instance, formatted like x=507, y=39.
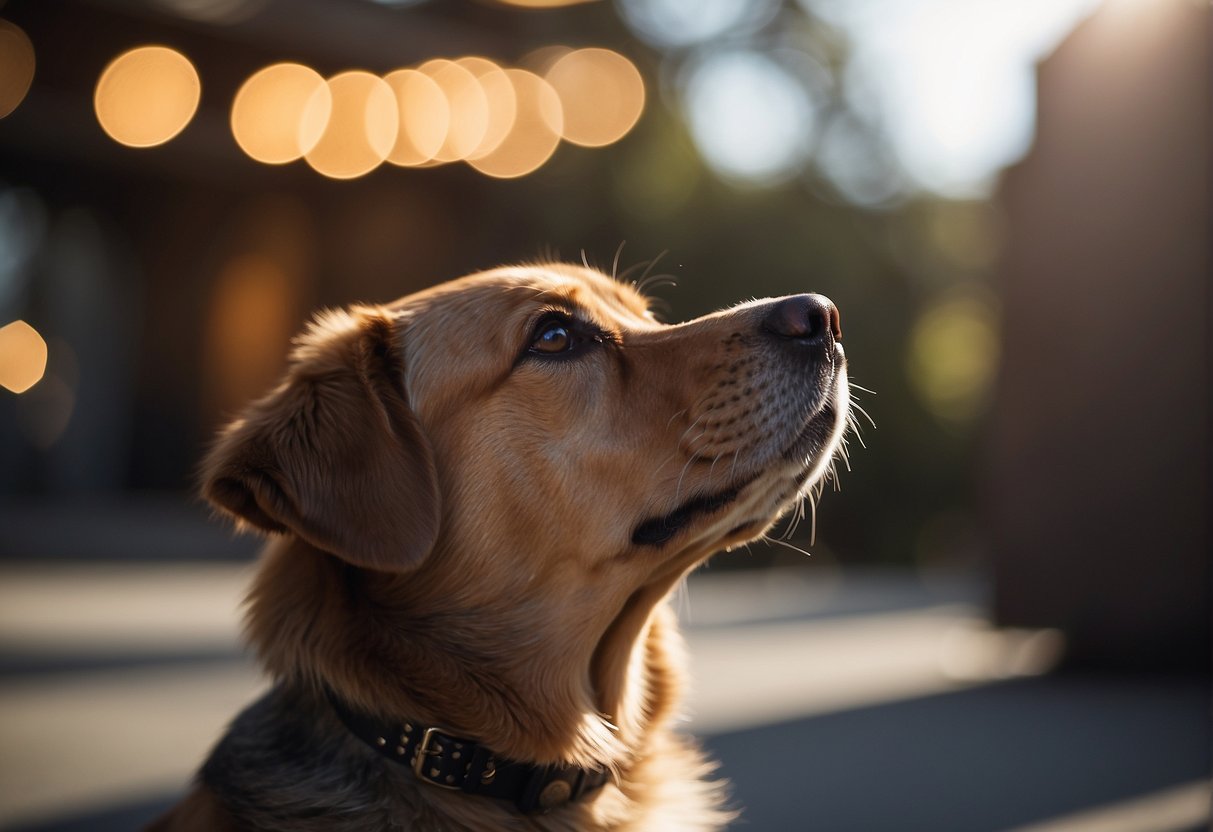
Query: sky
x=949, y=83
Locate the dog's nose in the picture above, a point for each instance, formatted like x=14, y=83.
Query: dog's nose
x=804, y=317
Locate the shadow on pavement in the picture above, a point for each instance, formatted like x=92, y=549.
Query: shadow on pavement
x=980, y=760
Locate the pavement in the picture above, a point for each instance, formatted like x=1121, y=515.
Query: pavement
x=835, y=701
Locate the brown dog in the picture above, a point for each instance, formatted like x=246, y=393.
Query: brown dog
x=482, y=495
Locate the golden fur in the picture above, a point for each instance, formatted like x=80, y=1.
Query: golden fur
x=456, y=523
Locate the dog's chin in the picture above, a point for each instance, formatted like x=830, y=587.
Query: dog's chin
x=804, y=456
x=813, y=448
x=799, y=467
x=746, y=507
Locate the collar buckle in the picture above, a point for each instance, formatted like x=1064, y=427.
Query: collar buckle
x=440, y=773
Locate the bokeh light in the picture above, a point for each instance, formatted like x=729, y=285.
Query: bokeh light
x=146, y=96
x=425, y=117
x=953, y=356
x=544, y=4
x=46, y=410
x=361, y=129
x=537, y=129
x=280, y=113
x=952, y=84
x=681, y=23
x=223, y=12
x=250, y=321
x=541, y=58
x=858, y=166
x=751, y=118
x=16, y=66
x=469, y=108
x=22, y=357
x=23, y=232
x=602, y=95
x=501, y=99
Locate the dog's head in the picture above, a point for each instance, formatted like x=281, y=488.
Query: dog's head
x=532, y=444
x=538, y=409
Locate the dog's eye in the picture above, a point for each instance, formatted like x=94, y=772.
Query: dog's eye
x=552, y=337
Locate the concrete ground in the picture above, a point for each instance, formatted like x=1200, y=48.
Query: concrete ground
x=875, y=701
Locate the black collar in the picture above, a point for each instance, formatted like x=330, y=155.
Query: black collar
x=446, y=761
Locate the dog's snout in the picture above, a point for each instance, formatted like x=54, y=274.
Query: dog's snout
x=805, y=318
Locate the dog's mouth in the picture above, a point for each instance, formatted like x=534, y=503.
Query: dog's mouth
x=659, y=530
x=807, y=451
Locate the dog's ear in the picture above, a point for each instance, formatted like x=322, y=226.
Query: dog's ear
x=334, y=454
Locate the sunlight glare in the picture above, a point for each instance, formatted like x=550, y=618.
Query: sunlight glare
x=953, y=80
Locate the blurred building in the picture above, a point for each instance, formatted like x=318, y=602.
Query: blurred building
x=168, y=279
x=1098, y=490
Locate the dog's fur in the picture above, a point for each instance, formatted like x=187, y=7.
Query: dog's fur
x=465, y=536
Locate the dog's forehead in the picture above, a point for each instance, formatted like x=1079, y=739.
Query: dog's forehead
x=479, y=324
x=522, y=289
x=593, y=291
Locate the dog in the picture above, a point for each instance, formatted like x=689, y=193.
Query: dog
x=480, y=497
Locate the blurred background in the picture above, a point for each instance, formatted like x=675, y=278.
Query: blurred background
x=1004, y=619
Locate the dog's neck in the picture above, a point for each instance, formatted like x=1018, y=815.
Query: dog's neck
x=578, y=692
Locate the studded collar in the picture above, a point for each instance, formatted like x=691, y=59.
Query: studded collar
x=444, y=760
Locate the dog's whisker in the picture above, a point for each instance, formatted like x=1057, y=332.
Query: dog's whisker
x=692, y=444
x=678, y=487
x=733, y=467
x=854, y=428
x=615, y=262
x=691, y=457
x=858, y=408
x=666, y=461
x=681, y=439
x=769, y=540
x=793, y=522
x=655, y=280
x=812, y=500
x=690, y=428
x=844, y=453
x=639, y=284
x=625, y=276
x=801, y=513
